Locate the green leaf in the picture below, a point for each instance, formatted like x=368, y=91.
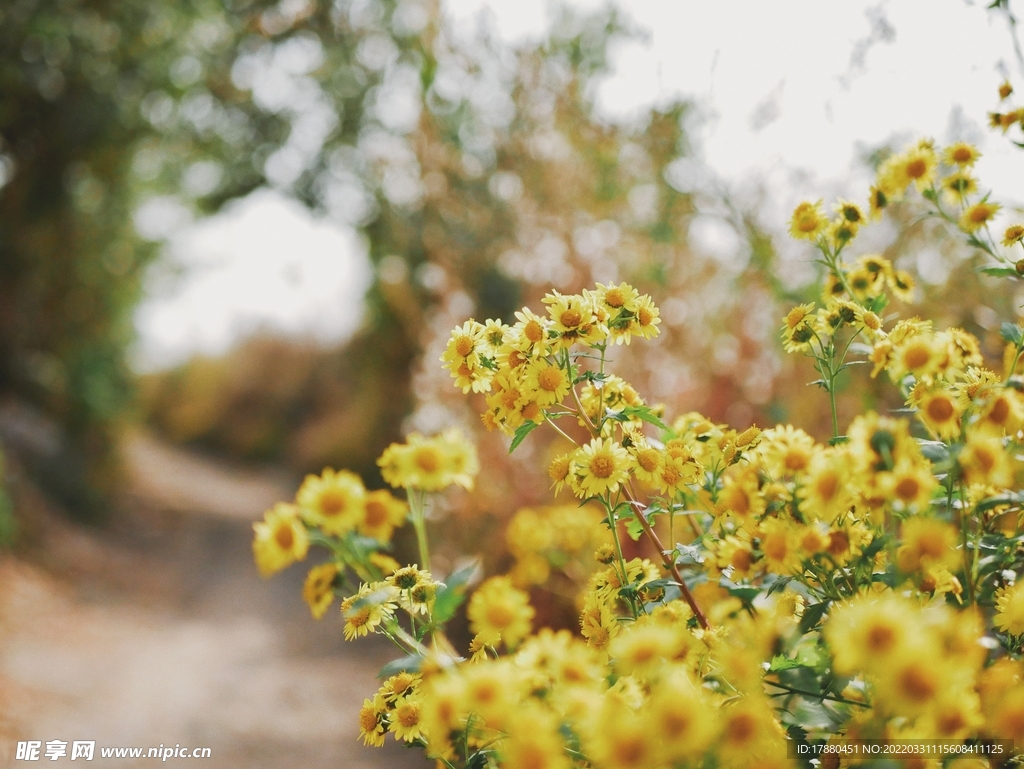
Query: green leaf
x=1001, y=499
x=812, y=616
x=1011, y=332
x=839, y=439
x=780, y=663
x=999, y=272
x=644, y=413
x=450, y=597
x=410, y=663
x=524, y=429
x=936, y=451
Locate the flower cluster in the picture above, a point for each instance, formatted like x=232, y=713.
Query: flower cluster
x=335, y=510
x=863, y=587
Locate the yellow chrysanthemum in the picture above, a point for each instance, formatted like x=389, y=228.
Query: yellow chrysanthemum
x=383, y=514
x=333, y=501
x=367, y=609
x=600, y=467
x=430, y=464
x=373, y=722
x=978, y=215
x=280, y=539
x=961, y=154
x=405, y=721
x=1010, y=609
x=318, y=590
x=498, y=608
x=808, y=221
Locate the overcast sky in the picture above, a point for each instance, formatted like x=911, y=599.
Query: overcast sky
x=788, y=94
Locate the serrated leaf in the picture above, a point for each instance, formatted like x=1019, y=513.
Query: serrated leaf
x=998, y=272
x=410, y=663
x=524, y=429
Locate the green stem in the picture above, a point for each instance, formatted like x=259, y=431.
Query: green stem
x=417, y=510
x=816, y=695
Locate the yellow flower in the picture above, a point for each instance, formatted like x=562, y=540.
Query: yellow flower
x=927, y=543
x=463, y=358
x=808, y=221
x=868, y=632
x=383, y=514
x=648, y=316
x=367, y=609
x=534, y=741
x=1014, y=234
x=280, y=539
x=333, y=501
x=600, y=467
x=780, y=546
x=983, y=461
x=961, y=154
x=573, y=320
x=430, y=464
x=498, y=608
x=978, y=215
x=373, y=721
x=940, y=412
x=681, y=719
x=560, y=472
x=959, y=186
x=545, y=383
x=915, y=166
x=405, y=720
x=318, y=590
x=825, y=493
x=1005, y=89
x=1010, y=609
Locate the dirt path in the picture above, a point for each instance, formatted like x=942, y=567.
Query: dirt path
x=160, y=631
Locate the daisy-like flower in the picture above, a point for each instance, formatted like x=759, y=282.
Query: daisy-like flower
x=648, y=316
x=959, y=186
x=280, y=539
x=1014, y=234
x=978, y=215
x=499, y=609
x=332, y=501
x=961, y=154
x=600, y=467
x=430, y=464
x=545, y=383
x=798, y=331
x=383, y=514
x=573, y=320
x=373, y=721
x=367, y=609
x=318, y=590
x=808, y=221
x=1010, y=609
x=406, y=719
x=916, y=166
x=560, y=472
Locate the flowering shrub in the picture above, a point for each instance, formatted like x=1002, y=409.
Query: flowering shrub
x=798, y=592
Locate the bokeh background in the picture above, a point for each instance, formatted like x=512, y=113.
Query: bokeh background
x=235, y=235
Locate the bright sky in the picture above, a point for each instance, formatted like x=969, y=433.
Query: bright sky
x=788, y=93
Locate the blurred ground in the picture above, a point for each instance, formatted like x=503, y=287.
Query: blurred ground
x=158, y=630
